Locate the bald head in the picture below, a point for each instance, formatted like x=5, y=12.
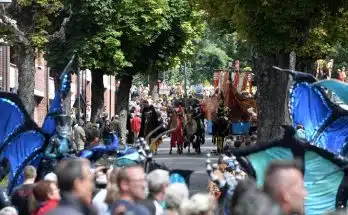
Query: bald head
x=284, y=183
x=279, y=175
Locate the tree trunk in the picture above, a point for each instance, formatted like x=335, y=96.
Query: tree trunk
x=154, y=90
x=97, y=105
x=123, y=104
x=25, y=61
x=272, y=96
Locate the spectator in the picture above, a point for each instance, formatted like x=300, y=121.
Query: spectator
x=198, y=204
x=47, y=197
x=103, y=182
x=135, y=125
x=157, y=180
x=106, y=129
x=21, y=195
x=95, y=134
x=52, y=177
x=131, y=182
x=176, y=194
x=116, y=125
x=75, y=182
x=256, y=202
x=79, y=135
x=284, y=183
x=113, y=192
x=8, y=211
x=4, y=198
x=242, y=187
x=88, y=130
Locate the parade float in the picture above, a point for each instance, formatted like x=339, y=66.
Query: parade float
x=237, y=89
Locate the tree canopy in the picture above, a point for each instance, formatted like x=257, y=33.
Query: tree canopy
x=273, y=26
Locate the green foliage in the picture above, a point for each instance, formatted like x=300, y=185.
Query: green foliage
x=215, y=50
x=339, y=53
x=33, y=19
x=90, y=22
x=103, y=52
x=209, y=59
x=273, y=26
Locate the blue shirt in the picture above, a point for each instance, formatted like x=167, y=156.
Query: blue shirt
x=130, y=208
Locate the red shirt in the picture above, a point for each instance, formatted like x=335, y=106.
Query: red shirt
x=136, y=124
x=46, y=207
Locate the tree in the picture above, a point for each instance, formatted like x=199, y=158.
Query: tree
x=209, y=59
x=169, y=31
x=89, y=33
x=274, y=29
x=178, y=43
x=102, y=55
x=26, y=25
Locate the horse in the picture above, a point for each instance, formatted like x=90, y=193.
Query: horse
x=220, y=131
x=194, y=129
x=149, y=122
x=190, y=130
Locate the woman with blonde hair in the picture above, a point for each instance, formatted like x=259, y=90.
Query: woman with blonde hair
x=105, y=197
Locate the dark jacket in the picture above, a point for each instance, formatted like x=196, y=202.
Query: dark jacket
x=71, y=205
x=20, y=198
x=149, y=204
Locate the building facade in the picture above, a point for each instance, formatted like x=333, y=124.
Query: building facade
x=45, y=88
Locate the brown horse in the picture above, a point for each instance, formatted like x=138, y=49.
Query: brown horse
x=190, y=129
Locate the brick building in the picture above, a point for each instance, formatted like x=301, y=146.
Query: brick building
x=44, y=86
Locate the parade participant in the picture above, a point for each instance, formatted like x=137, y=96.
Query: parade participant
x=149, y=122
x=60, y=145
x=220, y=128
x=135, y=124
x=177, y=136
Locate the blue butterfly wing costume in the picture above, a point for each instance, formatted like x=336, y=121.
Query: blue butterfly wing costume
x=326, y=132
x=22, y=142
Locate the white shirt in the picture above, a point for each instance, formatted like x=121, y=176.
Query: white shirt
x=159, y=209
x=98, y=202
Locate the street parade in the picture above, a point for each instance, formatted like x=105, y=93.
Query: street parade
x=173, y=107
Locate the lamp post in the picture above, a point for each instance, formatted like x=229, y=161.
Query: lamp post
x=4, y=50
x=78, y=89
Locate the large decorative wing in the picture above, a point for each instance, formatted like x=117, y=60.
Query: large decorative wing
x=12, y=120
x=21, y=141
x=325, y=123
x=308, y=107
x=23, y=149
x=324, y=180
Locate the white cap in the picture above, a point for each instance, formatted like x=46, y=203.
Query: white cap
x=51, y=177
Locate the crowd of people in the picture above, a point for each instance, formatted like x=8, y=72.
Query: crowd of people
x=75, y=188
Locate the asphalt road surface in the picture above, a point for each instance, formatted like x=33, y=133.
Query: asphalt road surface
x=192, y=161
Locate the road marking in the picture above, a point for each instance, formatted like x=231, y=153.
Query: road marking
x=206, y=138
x=200, y=172
x=182, y=157
x=204, y=147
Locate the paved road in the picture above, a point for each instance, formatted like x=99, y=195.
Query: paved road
x=192, y=161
